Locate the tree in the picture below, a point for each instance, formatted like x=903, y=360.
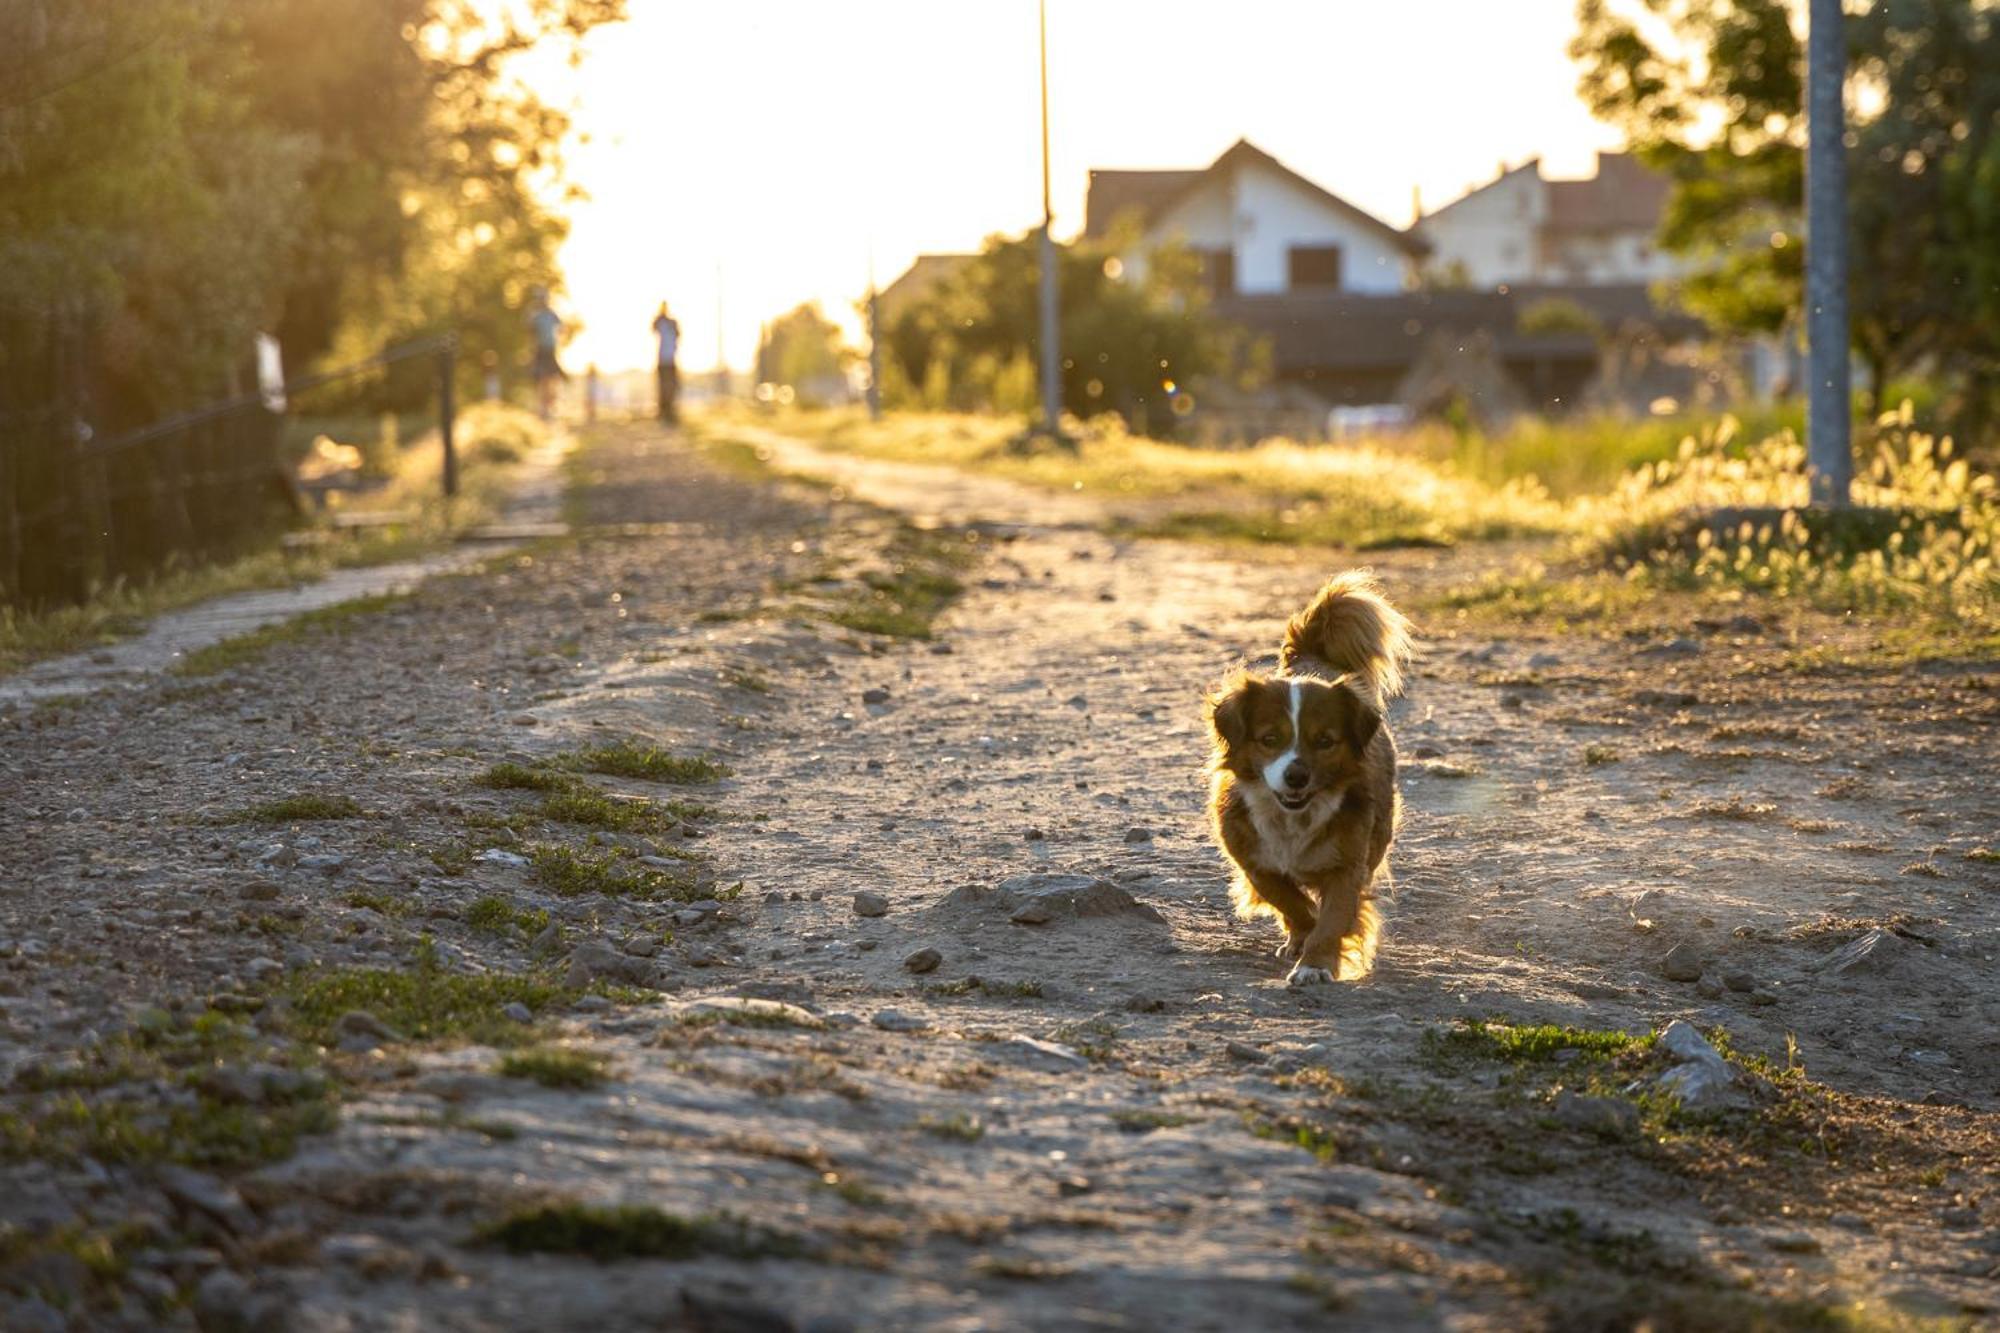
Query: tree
x=801, y=348
x=144, y=211
x=1709, y=91
x=1124, y=342
x=176, y=175
x=432, y=190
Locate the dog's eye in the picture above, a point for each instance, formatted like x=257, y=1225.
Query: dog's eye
x=1268, y=738
x=1325, y=740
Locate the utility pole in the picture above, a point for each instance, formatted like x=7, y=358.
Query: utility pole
x=874, y=343
x=721, y=341
x=1829, y=404
x=1051, y=337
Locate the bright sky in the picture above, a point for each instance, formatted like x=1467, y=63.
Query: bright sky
x=780, y=143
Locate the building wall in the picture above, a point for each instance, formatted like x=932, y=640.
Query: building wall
x=1260, y=215
x=1492, y=232
x=1606, y=257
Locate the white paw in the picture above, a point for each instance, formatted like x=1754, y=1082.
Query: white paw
x=1303, y=975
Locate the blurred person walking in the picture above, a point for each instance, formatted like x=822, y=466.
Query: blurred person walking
x=546, y=327
x=668, y=330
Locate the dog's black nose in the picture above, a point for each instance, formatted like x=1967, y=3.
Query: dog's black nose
x=1297, y=775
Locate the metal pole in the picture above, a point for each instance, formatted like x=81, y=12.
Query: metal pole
x=721, y=341
x=1829, y=405
x=446, y=414
x=1051, y=337
x=874, y=352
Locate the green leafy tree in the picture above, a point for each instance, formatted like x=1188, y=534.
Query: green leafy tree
x=434, y=190
x=801, y=348
x=1709, y=91
x=176, y=175
x=975, y=339
x=142, y=206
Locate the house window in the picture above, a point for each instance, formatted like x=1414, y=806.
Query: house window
x=1218, y=268
x=1314, y=266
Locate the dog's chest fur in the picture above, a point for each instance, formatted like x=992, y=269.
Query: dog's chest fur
x=1291, y=842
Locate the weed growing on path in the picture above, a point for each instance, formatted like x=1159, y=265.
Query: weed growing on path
x=555, y=1067
x=421, y=1003
x=636, y=759
x=304, y=807
x=611, y=871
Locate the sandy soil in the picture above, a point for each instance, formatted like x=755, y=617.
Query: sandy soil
x=1099, y=1107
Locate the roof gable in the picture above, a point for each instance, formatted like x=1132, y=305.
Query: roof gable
x=1151, y=195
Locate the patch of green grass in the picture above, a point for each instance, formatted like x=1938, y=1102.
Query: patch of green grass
x=1598, y=755
x=959, y=1125
x=903, y=600
x=1320, y=1140
x=378, y=902
x=743, y=678
x=422, y=1003
x=589, y=808
x=630, y=1231
x=144, y=1097
x=1094, y=1038
x=247, y=648
x=610, y=871
x=555, y=1066
x=494, y=915
x=206, y=1133
x=304, y=807
x=525, y=777
x=1476, y=1039
x=1982, y=854
x=1142, y=1121
x=634, y=759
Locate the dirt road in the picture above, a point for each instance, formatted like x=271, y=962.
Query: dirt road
x=931, y=1012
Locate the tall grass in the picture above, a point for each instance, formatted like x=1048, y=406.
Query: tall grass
x=1925, y=538
x=1636, y=503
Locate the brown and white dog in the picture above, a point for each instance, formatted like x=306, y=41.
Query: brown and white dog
x=1303, y=778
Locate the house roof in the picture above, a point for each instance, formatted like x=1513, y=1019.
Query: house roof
x=1345, y=331
x=916, y=282
x=1532, y=165
x=1351, y=332
x=1151, y=195
x=1141, y=194
x=1623, y=195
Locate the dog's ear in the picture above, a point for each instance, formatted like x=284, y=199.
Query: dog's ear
x=1228, y=709
x=1359, y=719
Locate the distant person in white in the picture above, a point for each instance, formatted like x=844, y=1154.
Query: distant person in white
x=669, y=332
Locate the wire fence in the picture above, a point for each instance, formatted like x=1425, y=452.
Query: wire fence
x=79, y=511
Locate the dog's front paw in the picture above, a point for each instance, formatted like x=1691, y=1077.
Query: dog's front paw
x=1306, y=975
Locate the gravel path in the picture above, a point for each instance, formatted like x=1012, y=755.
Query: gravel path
x=935, y=1016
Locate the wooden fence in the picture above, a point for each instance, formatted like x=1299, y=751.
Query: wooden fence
x=78, y=511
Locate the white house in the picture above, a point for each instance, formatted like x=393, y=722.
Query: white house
x=1261, y=228
x=1524, y=228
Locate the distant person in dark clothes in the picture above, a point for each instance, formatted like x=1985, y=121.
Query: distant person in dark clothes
x=546, y=327
x=669, y=333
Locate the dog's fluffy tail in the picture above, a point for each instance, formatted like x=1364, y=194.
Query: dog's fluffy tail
x=1351, y=627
